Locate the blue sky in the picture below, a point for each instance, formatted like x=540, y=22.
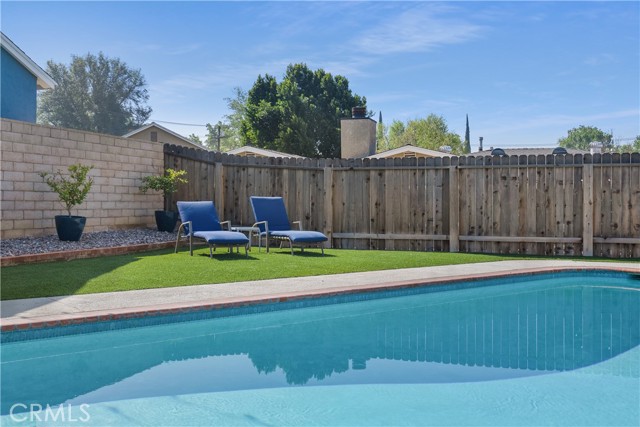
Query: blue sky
x=525, y=72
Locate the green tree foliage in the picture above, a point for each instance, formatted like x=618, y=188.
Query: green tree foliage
x=582, y=136
x=166, y=183
x=228, y=129
x=97, y=94
x=431, y=133
x=382, y=140
x=301, y=114
x=71, y=190
x=232, y=123
x=634, y=147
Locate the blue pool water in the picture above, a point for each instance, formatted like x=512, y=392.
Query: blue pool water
x=538, y=350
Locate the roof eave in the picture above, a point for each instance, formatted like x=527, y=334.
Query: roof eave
x=43, y=80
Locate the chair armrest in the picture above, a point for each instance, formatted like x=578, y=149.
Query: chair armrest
x=182, y=226
x=266, y=225
x=299, y=224
x=225, y=222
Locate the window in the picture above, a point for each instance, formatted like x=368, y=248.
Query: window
x=154, y=136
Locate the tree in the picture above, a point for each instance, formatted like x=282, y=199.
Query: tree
x=97, y=94
x=467, y=138
x=582, y=136
x=431, y=133
x=232, y=124
x=301, y=114
x=634, y=147
x=382, y=142
x=225, y=135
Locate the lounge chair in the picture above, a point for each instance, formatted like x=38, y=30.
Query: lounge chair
x=200, y=220
x=273, y=222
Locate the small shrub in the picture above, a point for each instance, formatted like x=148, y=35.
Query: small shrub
x=167, y=183
x=72, y=190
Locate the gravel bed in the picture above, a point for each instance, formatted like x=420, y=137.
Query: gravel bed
x=100, y=239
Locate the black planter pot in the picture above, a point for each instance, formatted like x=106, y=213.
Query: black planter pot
x=166, y=220
x=70, y=228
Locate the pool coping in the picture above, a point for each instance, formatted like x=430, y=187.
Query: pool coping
x=16, y=323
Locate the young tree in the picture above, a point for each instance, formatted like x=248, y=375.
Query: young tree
x=582, y=136
x=382, y=142
x=97, y=94
x=467, y=138
x=301, y=114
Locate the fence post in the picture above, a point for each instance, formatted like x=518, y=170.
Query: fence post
x=328, y=204
x=454, y=210
x=218, y=193
x=587, y=209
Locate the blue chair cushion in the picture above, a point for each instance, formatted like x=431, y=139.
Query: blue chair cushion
x=299, y=236
x=222, y=237
x=272, y=210
x=203, y=215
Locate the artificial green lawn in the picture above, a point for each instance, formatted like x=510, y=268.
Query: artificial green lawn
x=163, y=268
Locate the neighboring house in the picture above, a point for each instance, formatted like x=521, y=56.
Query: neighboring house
x=249, y=151
x=527, y=151
x=20, y=80
x=155, y=133
x=408, y=151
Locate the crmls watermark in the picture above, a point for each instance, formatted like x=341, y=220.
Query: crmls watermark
x=20, y=412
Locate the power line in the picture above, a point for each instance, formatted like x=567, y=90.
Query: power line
x=181, y=124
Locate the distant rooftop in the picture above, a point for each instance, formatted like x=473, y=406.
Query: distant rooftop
x=528, y=151
x=134, y=132
x=250, y=151
x=408, y=151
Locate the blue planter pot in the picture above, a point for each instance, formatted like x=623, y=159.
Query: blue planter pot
x=70, y=228
x=166, y=220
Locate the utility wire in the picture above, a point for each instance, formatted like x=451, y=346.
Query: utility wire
x=176, y=123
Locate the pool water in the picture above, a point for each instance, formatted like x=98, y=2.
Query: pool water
x=538, y=350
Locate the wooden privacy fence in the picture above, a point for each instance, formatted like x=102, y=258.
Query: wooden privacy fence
x=539, y=205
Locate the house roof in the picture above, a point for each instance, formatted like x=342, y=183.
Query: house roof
x=261, y=152
x=43, y=80
x=164, y=129
x=408, y=149
x=528, y=151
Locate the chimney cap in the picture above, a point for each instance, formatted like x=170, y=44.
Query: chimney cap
x=359, y=113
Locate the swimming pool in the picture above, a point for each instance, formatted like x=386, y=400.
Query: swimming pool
x=554, y=349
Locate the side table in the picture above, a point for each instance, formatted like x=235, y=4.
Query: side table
x=251, y=232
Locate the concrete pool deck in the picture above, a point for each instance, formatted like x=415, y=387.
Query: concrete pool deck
x=36, y=313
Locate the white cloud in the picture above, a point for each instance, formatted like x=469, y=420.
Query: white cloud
x=563, y=119
x=418, y=29
x=600, y=59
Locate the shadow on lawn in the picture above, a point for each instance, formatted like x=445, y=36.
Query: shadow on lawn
x=305, y=254
x=37, y=285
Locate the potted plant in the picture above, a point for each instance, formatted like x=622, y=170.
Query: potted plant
x=167, y=184
x=72, y=191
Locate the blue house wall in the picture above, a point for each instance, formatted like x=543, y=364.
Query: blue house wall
x=18, y=90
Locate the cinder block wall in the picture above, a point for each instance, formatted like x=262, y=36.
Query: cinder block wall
x=29, y=206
